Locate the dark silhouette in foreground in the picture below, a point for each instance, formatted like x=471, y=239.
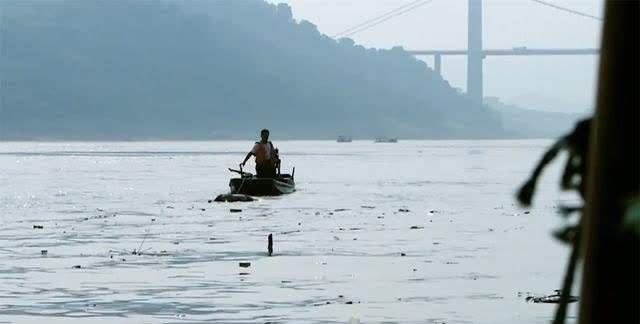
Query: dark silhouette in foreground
x=603, y=168
x=574, y=177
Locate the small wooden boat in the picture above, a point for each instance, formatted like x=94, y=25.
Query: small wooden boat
x=248, y=184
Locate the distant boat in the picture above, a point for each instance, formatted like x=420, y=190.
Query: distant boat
x=344, y=139
x=386, y=140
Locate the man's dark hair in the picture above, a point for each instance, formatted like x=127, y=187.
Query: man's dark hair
x=264, y=131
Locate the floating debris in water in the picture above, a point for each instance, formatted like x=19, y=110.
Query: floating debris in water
x=368, y=207
x=76, y=267
x=235, y=210
x=416, y=227
x=245, y=264
x=38, y=226
x=403, y=210
x=340, y=210
x=233, y=198
x=403, y=254
x=44, y=252
x=551, y=299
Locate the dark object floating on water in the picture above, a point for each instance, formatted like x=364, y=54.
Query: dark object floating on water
x=551, y=299
x=344, y=139
x=235, y=210
x=248, y=184
x=38, y=226
x=403, y=210
x=44, y=252
x=233, y=198
x=368, y=207
x=403, y=254
x=416, y=227
x=270, y=244
x=245, y=264
x=76, y=267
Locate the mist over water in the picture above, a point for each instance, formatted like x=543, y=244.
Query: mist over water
x=471, y=257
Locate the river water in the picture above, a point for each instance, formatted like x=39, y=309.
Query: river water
x=413, y=232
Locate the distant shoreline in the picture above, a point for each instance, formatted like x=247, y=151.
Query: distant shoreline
x=253, y=139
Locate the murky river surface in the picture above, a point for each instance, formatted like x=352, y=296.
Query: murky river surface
x=460, y=251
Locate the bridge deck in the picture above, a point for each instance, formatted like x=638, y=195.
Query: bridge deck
x=513, y=51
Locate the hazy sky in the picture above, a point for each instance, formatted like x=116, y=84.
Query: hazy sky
x=442, y=24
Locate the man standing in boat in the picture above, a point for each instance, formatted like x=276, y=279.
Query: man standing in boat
x=267, y=160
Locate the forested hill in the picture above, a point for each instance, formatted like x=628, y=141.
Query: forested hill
x=124, y=69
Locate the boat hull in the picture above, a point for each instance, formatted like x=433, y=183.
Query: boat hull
x=262, y=186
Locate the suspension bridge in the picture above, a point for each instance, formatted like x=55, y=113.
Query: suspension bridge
x=475, y=52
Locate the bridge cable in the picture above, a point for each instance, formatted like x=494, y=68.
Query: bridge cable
x=400, y=13
x=575, y=12
x=406, y=5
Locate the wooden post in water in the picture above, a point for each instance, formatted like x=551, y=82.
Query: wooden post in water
x=270, y=244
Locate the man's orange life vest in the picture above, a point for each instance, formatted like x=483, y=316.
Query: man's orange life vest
x=263, y=152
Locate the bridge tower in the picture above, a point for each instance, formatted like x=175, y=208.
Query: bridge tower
x=475, y=54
